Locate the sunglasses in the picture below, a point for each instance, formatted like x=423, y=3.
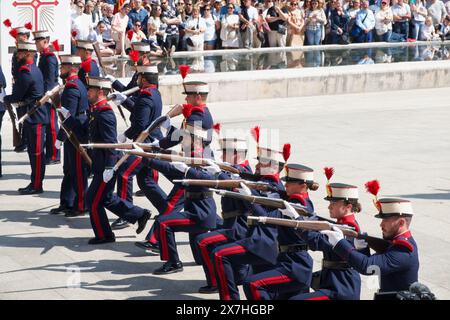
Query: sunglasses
x=230, y=7
x=294, y=4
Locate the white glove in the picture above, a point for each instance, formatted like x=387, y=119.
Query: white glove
x=180, y=166
x=110, y=77
x=212, y=167
x=58, y=144
x=235, y=176
x=107, y=175
x=117, y=97
x=244, y=190
x=334, y=236
x=289, y=211
x=360, y=244
x=137, y=148
x=65, y=113
x=121, y=138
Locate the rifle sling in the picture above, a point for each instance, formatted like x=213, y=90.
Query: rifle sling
x=291, y=248
x=198, y=195
x=232, y=214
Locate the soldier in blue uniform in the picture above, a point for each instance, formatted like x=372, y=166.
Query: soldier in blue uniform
x=23, y=35
x=2, y=112
x=143, y=50
x=399, y=266
x=234, y=212
x=29, y=88
x=89, y=67
x=48, y=63
x=147, y=107
x=259, y=247
x=74, y=99
x=337, y=280
x=293, y=271
x=103, y=129
x=199, y=213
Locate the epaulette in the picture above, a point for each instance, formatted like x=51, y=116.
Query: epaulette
x=104, y=108
x=71, y=84
x=301, y=197
x=403, y=242
x=350, y=221
x=49, y=53
x=145, y=92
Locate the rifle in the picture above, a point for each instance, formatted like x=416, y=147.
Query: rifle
x=128, y=146
x=377, y=244
x=198, y=162
x=226, y=184
x=269, y=202
x=16, y=133
x=74, y=140
x=142, y=136
x=103, y=73
x=49, y=95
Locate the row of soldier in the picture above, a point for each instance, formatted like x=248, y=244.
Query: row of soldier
x=270, y=261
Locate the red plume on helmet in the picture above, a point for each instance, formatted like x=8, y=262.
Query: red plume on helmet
x=286, y=151
x=216, y=128
x=13, y=33
x=328, y=172
x=187, y=110
x=7, y=23
x=255, y=133
x=373, y=187
x=86, y=66
x=74, y=33
x=130, y=34
x=56, y=45
x=184, y=70
x=134, y=56
x=29, y=26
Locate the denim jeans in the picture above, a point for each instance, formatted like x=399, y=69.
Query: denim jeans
x=313, y=37
x=402, y=28
x=416, y=29
x=385, y=37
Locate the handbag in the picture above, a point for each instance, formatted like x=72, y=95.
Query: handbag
x=357, y=31
x=282, y=29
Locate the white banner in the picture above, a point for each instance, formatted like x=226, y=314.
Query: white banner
x=51, y=15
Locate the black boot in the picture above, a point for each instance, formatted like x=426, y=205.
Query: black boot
x=30, y=190
x=208, y=289
x=169, y=267
x=142, y=221
x=148, y=246
x=112, y=238
x=119, y=224
x=60, y=209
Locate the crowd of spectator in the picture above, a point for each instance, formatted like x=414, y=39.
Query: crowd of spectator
x=194, y=25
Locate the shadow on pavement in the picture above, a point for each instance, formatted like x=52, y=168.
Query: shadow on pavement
x=429, y=196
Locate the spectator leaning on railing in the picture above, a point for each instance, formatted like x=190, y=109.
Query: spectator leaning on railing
x=383, y=22
x=339, y=25
x=277, y=17
x=419, y=14
x=314, y=21
x=402, y=16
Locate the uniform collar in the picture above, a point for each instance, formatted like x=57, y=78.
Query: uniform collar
x=150, y=86
x=274, y=177
x=350, y=218
x=99, y=104
x=302, y=197
x=189, y=108
x=88, y=59
x=72, y=77
x=46, y=50
x=244, y=164
x=406, y=234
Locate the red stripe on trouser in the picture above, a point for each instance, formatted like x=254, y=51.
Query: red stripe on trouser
x=153, y=239
x=162, y=234
x=224, y=292
x=206, y=259
x=80, y=186
x=123, y=192
x=155, y=176
x=266, y=282
x=38, y=154
x=94, y=212
x=319, y=298
x=53, y=130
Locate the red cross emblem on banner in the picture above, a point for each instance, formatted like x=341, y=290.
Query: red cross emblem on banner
x=42, y=13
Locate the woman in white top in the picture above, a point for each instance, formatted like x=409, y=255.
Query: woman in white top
x=211, y=26
x=383, y=21
x=157, y=24
x=296, y=21
x=135, y=35
x=419, y=14
x=195, y=31
x=229, y=32
x=118, y=28
x=315, y=19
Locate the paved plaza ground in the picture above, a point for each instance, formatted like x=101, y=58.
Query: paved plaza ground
x=401, y=138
